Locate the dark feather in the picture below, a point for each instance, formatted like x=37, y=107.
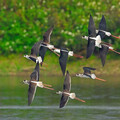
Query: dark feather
x=103, y=52
x=32, y=86
x=42, y=51
x=90, y=47
x=35, y=49
x=102, y=26
x=67, y=83
x=31, y=92
x=63, y=59
x=35, y=74
x=66, y=88
x=64, y=100
x=32, y=58
x=91, y=28
x=87, y=70
x=46, y=36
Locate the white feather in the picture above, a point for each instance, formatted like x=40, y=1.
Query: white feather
x=57, y=50
x=50, y=46
x=93, y=76
x=70, y=53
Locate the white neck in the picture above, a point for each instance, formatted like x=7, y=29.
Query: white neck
x=27, y=56
x=26, y=82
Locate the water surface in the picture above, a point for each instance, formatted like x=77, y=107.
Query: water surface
x=102, y=99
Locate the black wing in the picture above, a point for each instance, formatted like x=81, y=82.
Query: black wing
x=87, y=70
x=64, y=100
x=32, y=87
x=102, y=26
x=91, y=28
x=42, y=51
x=31, y=92
x=67, y=83
x=46, y=36
x=63, y=59
x=90, y=47
x=35, y=74
x=35, y=49
x=103, y=52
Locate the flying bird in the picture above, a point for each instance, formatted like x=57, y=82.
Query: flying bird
x=70, y=53
x=63, y=59
x=91, y=37
x=66, y=92
x=102, y=29
x=39, y=48
x=34, y=83
x=87, y=74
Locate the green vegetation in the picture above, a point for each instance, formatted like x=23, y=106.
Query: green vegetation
x=23, y=22
x=18, y=65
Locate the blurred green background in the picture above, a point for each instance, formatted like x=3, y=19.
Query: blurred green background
x=23, y=22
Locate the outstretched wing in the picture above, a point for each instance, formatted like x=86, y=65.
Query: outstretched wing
x=46, y=36
x=102, y=26
x=66, y=88
x=63, y=59
x=64, y=100
x=90, y=47
x=35, y=74
x=42, y=51
x=67, y=83
x=31, y=92
x=103, y=52
x=32, y=86
x=87, y=70
x=91, y=28
x=35, y=49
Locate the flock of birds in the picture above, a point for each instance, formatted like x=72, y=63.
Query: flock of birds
x=38, y=53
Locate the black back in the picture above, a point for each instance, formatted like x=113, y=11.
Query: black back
x=42, y=51
x=102, y=26
x=103, y=52
x=32, y=86
x=63, y=59
x=91, y=28
x=66, y=88
x=87, y=70
x=46, y=36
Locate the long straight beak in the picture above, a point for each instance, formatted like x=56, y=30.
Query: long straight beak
x=114, y=51
x=48, y=88
x=47, y=85
x=79, y=99
x=55, y=52
x=100, y=79
x=78, y=56
x=115, y=37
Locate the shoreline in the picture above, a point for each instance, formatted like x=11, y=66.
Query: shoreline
x=15, y=65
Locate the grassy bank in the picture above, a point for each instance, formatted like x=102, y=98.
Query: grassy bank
x=18, y=65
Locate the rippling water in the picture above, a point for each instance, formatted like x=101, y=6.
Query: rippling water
x=102, y=100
